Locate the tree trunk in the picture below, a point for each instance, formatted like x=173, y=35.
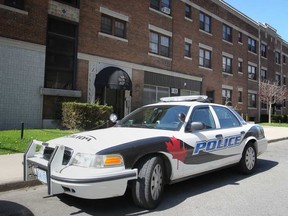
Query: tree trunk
x=269, y=114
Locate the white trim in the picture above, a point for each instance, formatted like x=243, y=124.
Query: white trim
x=91, y=58
x=227, y=87
x=187, y=40
x=159, y=30
x=227, y=55
x=114, y=14
x=240, y=89
x=252, y=92
x=264, y=43
x=205, y=68
x=252, y=64
x=205, y=47
x=112, y=36
x=205, y=32
x=264, y=68
x=240, y=59
x=159, y=56
x=13, y=9
x=188, y=19
x=22, y=44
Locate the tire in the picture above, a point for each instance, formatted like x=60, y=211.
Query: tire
x=147, y=190
x=248, y=161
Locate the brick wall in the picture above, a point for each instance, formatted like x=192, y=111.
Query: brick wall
x=30, y=27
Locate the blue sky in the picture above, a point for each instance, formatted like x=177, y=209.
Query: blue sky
x=272, y=12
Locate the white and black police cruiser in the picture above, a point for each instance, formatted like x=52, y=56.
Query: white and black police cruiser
x=158, y=144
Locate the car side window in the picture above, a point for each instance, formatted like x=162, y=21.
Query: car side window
x=226, y=118
x=203, y=114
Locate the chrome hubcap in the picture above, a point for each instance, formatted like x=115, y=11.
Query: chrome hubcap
x=250, y=158
x=156, y=182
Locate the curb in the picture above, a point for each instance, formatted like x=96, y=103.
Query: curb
x=18, y=185
x=277, y=140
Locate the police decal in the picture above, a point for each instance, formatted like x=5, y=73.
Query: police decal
x=217, y=144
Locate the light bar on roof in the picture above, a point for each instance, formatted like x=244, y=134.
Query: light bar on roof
x=184, y=98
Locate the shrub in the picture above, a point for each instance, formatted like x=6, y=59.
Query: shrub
x=84, y=116
x=279, y=118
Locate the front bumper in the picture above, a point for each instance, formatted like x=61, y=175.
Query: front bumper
x=89, y=183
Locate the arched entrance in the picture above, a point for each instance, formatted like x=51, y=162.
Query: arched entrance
x=111, y=84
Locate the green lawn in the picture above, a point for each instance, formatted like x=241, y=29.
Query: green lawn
x=275, y=124
x=11, y=142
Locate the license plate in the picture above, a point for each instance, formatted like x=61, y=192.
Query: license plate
x=42, y=175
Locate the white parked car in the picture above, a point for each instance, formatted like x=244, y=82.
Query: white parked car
x=157, y=144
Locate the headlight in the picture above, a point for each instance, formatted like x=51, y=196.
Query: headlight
x=97, y=161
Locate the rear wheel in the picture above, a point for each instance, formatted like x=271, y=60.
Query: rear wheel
x=248, y=161
x=148, y=189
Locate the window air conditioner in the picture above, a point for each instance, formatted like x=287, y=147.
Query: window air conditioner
x=165, y=10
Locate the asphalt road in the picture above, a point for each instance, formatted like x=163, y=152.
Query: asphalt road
x=225, y=192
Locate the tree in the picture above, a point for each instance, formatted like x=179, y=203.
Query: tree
x=271, y=93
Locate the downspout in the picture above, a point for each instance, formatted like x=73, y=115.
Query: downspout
x=259, y=72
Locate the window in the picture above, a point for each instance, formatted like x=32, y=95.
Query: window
x=284, y=59
x=252, y=72
x=188, y=11
x=252, y=100
x=161, y=5
x=264, y=105
x=240, y=100
x=227, y=33
x=226, y=65
x=203, y=115
x=226, y=118
x=74, y=3
x=278, y=79
x=264, y=50
x=277, y=57
x=159, y=44
x=61, y=51
x=113, y=26
x=152, y=94
x=251, y=45
x=19, y=4
x=263, y=74
x=205, y=22
x=227, y=97
x=205, y=58
x=240, y=37
x=187, y=49
x=284, y=80
x=240, y=66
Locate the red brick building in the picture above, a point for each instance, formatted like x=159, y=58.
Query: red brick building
x=131, y=54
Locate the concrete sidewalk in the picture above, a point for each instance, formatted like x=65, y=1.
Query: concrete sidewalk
x=11, y=168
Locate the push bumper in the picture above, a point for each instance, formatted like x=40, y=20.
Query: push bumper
x=89, y=183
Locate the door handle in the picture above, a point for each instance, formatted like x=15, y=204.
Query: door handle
x=219, y=136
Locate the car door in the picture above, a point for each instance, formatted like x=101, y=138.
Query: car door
x=231, y=131
x=200, y=156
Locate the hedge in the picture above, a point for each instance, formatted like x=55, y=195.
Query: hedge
x=279, y=118
x=84, y=116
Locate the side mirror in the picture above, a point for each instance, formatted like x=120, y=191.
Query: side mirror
x=196, y=126
x=113, y=118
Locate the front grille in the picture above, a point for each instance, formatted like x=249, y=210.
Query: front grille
x=67, y=154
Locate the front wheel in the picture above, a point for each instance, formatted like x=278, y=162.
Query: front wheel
x=148, y=189
x=248, y=161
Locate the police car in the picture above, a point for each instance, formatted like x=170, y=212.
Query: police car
x=156, y=145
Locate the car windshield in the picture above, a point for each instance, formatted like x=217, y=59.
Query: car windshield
x=164, y=117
